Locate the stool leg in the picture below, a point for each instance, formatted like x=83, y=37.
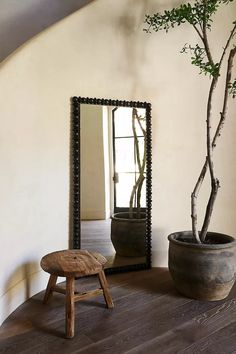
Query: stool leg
x=70, y=307
x=51, y=283
x=106, y=293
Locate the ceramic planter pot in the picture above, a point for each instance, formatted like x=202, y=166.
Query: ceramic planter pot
x=202, y=271
x=128, y=235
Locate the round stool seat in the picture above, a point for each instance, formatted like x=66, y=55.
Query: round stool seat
x=73, y=263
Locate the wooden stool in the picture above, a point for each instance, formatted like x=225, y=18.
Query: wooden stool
x=74, y=264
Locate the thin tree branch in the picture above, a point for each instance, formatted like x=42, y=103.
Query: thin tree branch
x=205, y=38
x=141, y=127
x=136, y=185
x=226, y=96
x=232, y=33
x=209, y=209
x=208, y=163
x=194, y=197
x=136, y=142
x=214, y=142
x=215, y=182
x=198, y=32
x=139, y=195
x=209, y=121
x=141, y=166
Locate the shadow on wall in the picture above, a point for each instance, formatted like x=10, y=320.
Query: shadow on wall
x=19, y=284
x=21, y=20
x=130, y=25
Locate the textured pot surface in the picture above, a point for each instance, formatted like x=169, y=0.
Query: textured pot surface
x=202, y=271
x=128, y=235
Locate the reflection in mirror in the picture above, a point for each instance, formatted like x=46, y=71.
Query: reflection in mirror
x=112, y=181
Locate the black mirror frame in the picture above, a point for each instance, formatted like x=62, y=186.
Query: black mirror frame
x=75, y=188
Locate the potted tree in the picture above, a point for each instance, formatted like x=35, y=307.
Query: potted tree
x=203, y=263
x=128, y=228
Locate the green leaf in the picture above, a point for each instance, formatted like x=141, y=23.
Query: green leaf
x=232, y=88
x=195, y=14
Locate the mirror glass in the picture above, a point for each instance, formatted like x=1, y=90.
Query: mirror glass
x=111, y=150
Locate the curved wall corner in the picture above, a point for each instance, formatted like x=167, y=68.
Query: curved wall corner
x=99, y=51
x=20, y=21
x=20, y=292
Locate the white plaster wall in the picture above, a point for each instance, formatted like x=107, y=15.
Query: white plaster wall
x=100, y=51
x=108, y=164
x=93, y=196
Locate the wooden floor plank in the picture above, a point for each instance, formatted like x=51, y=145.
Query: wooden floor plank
x=149, y=317
x=220, y=342
x=169, y=313
x=192, y=331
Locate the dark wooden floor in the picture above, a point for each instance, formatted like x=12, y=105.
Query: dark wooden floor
x=149, y=317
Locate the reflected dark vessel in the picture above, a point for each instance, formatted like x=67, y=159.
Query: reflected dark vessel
x=128, y=234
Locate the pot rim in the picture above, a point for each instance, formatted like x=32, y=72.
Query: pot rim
x=117, y=216
x=231, y=241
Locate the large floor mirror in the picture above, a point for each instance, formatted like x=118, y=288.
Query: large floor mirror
x=111, y=162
